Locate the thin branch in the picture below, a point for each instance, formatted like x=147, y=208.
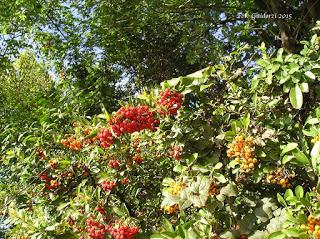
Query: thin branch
x=55, y=25
x=296, y=31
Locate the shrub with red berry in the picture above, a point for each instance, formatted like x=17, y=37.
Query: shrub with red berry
x=175, y=179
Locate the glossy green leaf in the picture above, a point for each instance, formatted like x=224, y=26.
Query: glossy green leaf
x=296, y=97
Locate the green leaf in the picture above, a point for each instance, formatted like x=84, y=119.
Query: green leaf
x=187, y=91
x=62, y=206
x=218, y=165
x=156, y=236
x=299, y=191
x=167, y=181
x=289, y=147
x=220, y=177
x=312, y=121
x=202, y=169
x=304, y=87
x=52, y=228
x=301, y=218
x=287, y=158
x=246, y=121
x=292, y=232
x=288, y=193
x=105, y=112
x=301, y=158
x=281, y=200
x=255, y=83
x=230, y=190
x=182, y=231
x=268, y=79
x=92, y=134
x=203, y=87
x=277, y=235
x=293, y=67
x=310, y=75
x=173, y=82
x=279, y=55
x=190, y=160
x=167, y=225
x=296, y=97
x=119, y=211
x=315, y=150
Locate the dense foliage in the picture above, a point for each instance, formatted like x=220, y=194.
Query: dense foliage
x=215, y=154
x=97, y=142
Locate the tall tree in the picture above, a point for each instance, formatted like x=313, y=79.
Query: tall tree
x=149, y=41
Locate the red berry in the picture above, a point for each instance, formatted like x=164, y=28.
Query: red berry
x=124, y=181
x=169, y=103
x=108, y=185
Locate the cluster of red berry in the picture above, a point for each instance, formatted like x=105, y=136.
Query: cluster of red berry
x=169, y=103
x=137, y=159
x=101, y=210
x=175, y=152
x=72, y=143
x=51, y=184
x=40, y=154
x=53, y=164
x=132, y=119
x=44, y=177
x=98, y=230
x=108, y=185
x=95, y=229
x=124, y=181
x=123, y=232
x=105, y=137
x=70, y=221
x=113, y=163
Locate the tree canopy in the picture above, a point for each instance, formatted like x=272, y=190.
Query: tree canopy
x=149, y=41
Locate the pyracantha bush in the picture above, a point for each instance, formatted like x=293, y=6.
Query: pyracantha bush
x=213, y=155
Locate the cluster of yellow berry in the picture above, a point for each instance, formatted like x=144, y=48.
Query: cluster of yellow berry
x=242, y=149
x=170, y=209
x=315, y=139
x=175, y=188
x=313, y=226
x=280, y=177
x=214, y=189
